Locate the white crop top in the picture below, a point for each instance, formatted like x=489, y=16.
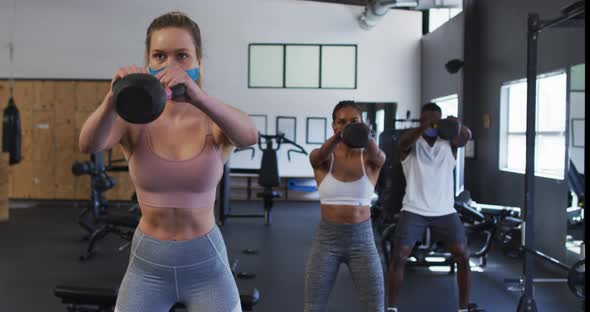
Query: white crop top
x=354, y=193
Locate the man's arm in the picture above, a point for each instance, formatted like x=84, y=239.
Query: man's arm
x=461, y=139
x=409, y=138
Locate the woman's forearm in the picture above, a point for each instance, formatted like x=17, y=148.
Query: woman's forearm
x=97, y=132
x=375, y=155
x=237, y=126
x=324, y=152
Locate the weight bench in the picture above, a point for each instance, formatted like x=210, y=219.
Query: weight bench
x=88, y=299
x=122, y=225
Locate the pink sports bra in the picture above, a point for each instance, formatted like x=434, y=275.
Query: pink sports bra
x=161, y=182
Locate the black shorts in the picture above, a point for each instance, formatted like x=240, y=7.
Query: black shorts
x=411, y=227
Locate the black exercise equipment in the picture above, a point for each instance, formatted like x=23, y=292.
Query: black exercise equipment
x=102, y=182
x=91, y=299
x=11, y=124
x=268, y=177
x=511, y=242
x=87, y=218
x=575, y=280
x=448, y=129
x=102, y=222
x=575, y=213
x=88, y=299
x=571, y=16
x=356, y=135
x=391, y=184
x=140, y=98
x=11, y=132
x=510, y=233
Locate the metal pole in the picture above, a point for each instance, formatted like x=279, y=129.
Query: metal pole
x=527, y=301
x=558, y=21
x=547, y=258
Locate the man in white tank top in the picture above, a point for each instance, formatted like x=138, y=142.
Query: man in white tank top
x=428, y=162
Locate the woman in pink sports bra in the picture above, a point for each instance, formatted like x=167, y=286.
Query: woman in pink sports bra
x=346, y=180
x=175, y=163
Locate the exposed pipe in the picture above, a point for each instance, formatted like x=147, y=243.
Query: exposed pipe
x=376, y=9
x=439, y=4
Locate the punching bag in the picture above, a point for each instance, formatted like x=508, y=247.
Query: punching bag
x=11, y=132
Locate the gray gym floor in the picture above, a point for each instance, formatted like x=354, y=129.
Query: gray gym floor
x=41, y=244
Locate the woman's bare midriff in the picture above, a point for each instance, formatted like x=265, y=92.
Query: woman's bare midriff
x=176, y=224
x=345, y=214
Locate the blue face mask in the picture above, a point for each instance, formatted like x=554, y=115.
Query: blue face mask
x=431, y=132
x=193, y=73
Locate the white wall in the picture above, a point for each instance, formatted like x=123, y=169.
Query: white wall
x=90, y=39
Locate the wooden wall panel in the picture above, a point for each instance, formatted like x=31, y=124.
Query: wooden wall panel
x=4, y=93
x=43, y=155
x=44, y=99
x=66, y=137
x=52, y=113
x=65, y=181
x=43, y=130
x=86, y=97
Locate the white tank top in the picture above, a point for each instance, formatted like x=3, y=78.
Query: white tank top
x=429, y=179
x=354, y=193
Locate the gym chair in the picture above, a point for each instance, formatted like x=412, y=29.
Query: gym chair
x=268, y=176
x=89, y=299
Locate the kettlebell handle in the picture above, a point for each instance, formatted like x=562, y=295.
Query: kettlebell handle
x=175, y=91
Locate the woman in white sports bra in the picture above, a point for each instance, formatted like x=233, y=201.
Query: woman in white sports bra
x=346, y=180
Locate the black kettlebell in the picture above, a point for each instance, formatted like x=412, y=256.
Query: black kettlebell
x=356, y=135
x=448, y=129
x=140, y=98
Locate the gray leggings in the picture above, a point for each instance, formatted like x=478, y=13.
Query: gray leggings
x=354, y=245
x=194, y=272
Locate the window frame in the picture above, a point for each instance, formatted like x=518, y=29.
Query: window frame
x=285, y=46
x=505, y=132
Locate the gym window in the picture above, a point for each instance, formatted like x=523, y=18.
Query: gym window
x=437, y=17
x=448, y=104
x=302, y=66
x=550, y=127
